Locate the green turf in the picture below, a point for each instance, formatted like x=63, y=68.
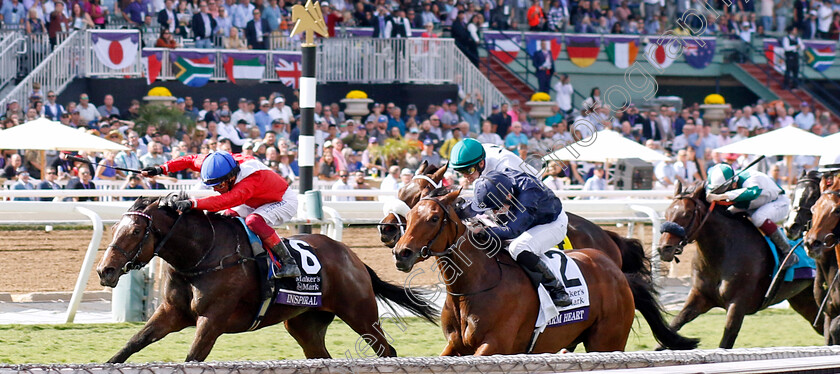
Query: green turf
x=82, y=343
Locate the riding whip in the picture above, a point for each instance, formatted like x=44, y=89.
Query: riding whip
x=81, y=159
x=825, y=299
x=729, y=181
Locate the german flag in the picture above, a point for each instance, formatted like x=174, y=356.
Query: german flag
x=583, y=50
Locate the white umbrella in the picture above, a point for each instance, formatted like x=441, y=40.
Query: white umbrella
x=43, y=134
x=605, y=146
x=786, y=141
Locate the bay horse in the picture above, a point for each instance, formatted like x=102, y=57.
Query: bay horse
x=491, y=306
x=733, y=265
x=212, y=283
x=821, y=242
x=628, y=254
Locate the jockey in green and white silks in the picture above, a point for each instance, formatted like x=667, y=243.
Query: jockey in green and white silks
x=758, y=195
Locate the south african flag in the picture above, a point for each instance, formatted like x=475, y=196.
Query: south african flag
x=194, y=70
x=819, y=57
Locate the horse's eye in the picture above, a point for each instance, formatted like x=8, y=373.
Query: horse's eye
x=136, y=231
x=435, y=219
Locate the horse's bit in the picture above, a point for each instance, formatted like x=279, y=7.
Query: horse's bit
x=674, y=228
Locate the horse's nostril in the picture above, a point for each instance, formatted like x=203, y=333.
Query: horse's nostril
x=405, y=253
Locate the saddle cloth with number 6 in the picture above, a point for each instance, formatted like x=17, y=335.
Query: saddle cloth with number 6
x=567, y=270
x=304, y=290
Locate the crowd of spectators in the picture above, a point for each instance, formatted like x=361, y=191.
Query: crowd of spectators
x=245, y=24
x=266, y=128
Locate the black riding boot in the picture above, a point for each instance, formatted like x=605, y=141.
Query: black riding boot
x=553, y=285
x=289, y=267
x=783, y=247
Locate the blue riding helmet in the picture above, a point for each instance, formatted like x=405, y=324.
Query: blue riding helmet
x=491, y=190
x=217, y=168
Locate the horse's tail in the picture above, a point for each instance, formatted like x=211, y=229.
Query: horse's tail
x=637, y=269
x=409, y=298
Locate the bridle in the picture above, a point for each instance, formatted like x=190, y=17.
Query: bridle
x=400, y=224
x=798, y=207
x=133, y=264
x=674, y=228
x=426, y=251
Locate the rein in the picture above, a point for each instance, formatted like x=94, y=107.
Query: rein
x=133, y=264
x=688, y=238
x=426, y=252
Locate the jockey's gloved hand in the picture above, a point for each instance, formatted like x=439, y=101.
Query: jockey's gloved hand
x=151, y=171
x=182, y=205
x=716, y=197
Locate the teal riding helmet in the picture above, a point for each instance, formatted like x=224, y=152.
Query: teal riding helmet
x=466, y=153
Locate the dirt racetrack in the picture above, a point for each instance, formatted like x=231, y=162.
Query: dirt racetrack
x=37, y=261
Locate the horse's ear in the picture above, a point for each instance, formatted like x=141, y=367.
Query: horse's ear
x=802, y=175
x=678, y=188
x=450, y=197
x=438, y=175
x=422, y=167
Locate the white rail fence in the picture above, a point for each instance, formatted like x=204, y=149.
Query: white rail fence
x=744, y=360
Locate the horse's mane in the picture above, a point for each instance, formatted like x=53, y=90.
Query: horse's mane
x=142, y=203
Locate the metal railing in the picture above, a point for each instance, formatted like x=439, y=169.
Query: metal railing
x=9, y=50
x=55, y=72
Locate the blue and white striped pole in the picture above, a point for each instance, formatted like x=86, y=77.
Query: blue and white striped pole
x=306, y=142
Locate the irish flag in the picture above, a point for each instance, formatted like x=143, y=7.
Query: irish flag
x=244, y=68
x=194, y=68
x=622, y=52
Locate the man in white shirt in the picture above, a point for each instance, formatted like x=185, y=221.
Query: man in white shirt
x=342, y=185
x=685, y=170
x=243, y=113
x=488, y=136
x=824, y=15
x=281, y=110
x=230, y=131
x=664, y=173
x=564, y=92
x=805, y=119
x=87, y=112
x=389, y=183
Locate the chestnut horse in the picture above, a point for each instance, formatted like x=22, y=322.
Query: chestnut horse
x=733, y=265
x=628, y=254
x=822, y=244
x=491, y=305
x=212, y=283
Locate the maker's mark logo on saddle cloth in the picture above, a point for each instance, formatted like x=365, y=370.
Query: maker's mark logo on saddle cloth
x=567, y=270
x=304, y=290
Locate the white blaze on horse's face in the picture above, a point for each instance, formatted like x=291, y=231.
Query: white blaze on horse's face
x=797, y=202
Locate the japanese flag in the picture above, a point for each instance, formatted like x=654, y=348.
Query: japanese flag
x=116, y=50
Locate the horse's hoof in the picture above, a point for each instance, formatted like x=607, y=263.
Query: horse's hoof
x=660, y=348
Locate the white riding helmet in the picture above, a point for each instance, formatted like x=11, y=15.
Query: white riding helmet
x=830, y=161
x=718, y=175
